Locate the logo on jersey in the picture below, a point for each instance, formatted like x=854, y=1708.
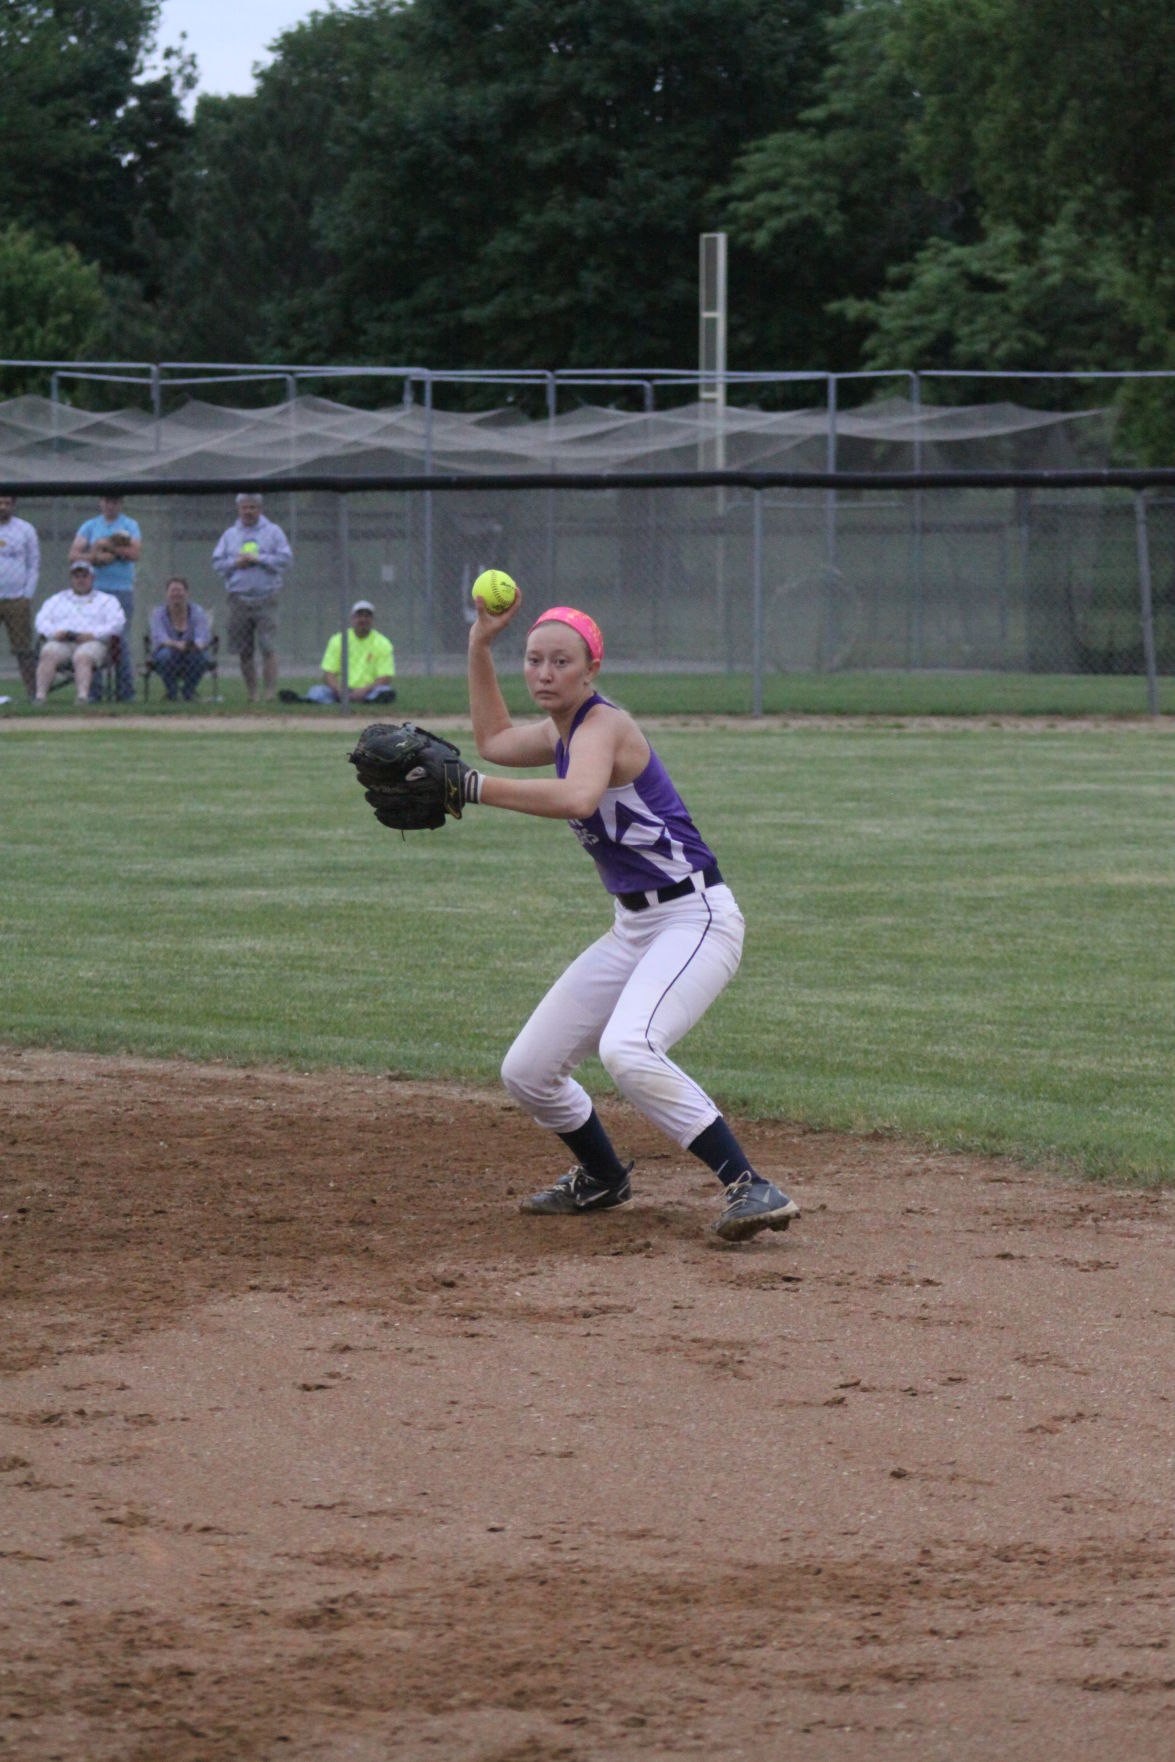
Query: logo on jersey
x=639, y=830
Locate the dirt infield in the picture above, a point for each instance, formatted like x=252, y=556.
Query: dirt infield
x=312, y=1447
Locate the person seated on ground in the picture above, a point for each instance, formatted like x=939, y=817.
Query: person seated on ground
x=77, y=625
x=371, y=665
x=181, y=635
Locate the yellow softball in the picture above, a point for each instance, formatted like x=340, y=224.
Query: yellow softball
x=495, y=590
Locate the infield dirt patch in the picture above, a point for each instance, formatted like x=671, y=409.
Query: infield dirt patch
x=312, y=1447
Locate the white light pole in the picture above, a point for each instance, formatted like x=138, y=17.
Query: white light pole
x=712, y=393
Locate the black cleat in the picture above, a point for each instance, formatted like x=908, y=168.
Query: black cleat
x=753, y=1204
x=578, y=1191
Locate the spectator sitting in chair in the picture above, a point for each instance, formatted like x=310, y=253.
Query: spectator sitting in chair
x=112, y=542
x=77, y=625
x=371, y=664
x=181, y=636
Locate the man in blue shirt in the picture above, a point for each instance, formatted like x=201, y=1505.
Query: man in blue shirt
x=111, y=543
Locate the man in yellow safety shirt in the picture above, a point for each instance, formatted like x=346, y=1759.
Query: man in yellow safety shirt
x=371, y=664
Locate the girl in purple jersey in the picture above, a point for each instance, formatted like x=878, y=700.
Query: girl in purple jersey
x=675, y=941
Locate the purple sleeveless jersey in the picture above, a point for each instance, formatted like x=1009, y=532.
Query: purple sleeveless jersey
x=640, y=836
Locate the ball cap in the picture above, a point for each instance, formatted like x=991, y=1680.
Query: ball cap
x=580, y=623
x=81, y=567
x=363, y=606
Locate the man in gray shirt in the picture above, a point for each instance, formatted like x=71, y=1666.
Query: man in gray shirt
x=252, y=557
x=20, y=567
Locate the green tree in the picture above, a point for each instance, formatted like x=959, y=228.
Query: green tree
x=1039, y=107
x=980, y=183
x=258, y=189
x=525, y=180
x=1006, y=302
x=90, y=142
x=1054, y=118
x=53, y=306
x=825, y=206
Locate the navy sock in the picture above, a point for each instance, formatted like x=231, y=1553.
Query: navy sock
x=721, y=1151
x=592, y=1149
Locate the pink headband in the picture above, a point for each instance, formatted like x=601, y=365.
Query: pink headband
x=580, y=623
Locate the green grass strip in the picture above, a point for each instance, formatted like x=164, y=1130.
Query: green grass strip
x=714, y=694
x=965, y=935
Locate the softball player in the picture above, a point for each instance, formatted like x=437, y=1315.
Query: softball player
x=676, y=936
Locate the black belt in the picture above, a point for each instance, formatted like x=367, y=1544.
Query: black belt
x=640, y=902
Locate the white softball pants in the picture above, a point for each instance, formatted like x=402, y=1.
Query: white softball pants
x=630, y=996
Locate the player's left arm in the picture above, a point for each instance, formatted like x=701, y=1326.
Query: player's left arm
x=573, y=797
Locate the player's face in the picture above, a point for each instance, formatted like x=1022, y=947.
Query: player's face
x=6, y=506
x=249, y=512
x=558, y=668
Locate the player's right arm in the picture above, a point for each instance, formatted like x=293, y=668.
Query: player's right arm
x=497, y=737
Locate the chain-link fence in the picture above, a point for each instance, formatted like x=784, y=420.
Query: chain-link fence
x=772, y=576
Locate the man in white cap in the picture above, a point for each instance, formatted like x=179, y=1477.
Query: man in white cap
x=371, y=665
x=113, y=543
x=77, y=625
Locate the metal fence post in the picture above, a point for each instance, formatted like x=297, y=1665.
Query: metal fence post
x=344, y=579
x=552, y=414
x=830, y=465
x=829, y=637
x=919, y=585
x=757, y=602
x=1142, y=538
x=429, y=637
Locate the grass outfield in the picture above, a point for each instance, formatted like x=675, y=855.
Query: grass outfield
x=964, y=934
x=714, y=694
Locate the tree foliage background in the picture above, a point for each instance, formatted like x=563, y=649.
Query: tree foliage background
x=521, y=183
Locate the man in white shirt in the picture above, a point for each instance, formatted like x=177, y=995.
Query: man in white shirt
x=77, y=626
x=113, y=543
x=20, y=566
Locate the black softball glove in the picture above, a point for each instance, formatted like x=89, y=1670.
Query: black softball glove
x=413, y=779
